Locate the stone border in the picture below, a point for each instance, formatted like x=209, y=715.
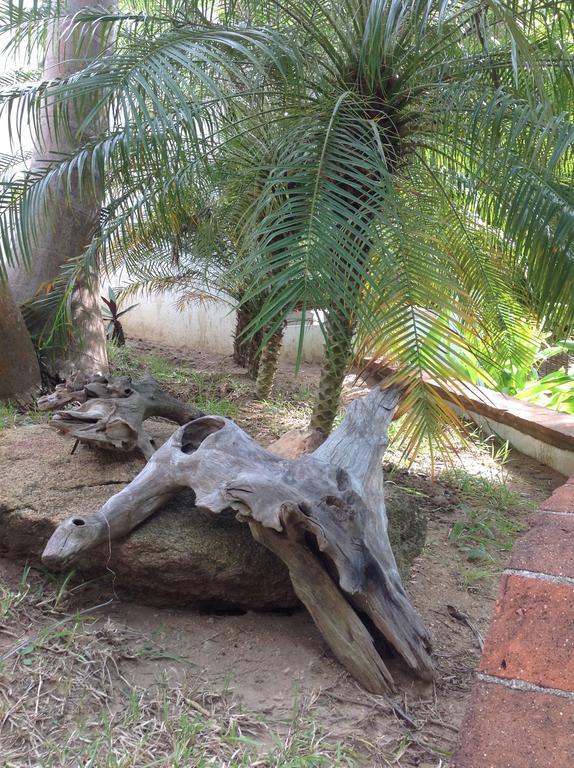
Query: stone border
x=521, y=712
x=543, y=434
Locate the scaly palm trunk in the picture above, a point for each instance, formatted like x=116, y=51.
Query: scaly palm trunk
x=338, y=355
x=246, y=350
x=254, y=356
x=268, y=364
x=242, y=319
x=19, y=369
x=340, y=327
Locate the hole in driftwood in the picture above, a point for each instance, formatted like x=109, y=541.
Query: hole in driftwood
x=78, y=521
x=196, y=431
x=343, y=482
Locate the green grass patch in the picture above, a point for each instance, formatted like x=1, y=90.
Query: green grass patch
x=124, y=361
x=483, y=491
x=128, y=361
x=11, y=416
x=226, y=408
x=8, y=415
x=481, y=535
x=11, y=599
x=489, y=524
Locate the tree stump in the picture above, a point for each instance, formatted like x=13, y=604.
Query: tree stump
x=323, y=514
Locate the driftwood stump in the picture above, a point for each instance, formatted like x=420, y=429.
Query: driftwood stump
x=112, y=411
x=323, y=514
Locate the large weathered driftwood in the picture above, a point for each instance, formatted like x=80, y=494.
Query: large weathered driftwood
x=323, y=514
x=112, y=411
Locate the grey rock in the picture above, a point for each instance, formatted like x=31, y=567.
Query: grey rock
x=407, y=527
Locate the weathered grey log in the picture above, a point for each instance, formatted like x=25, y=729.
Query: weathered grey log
x=113, y=411
x=323, y=514
x=80, y=388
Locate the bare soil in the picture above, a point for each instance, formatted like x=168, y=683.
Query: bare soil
x=269, y=668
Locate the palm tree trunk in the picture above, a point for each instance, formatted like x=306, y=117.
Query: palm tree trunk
x=254, y=355
x=72, y=216
x=554, y=364
x=242, y=320
x=338, y=355
x=268, y=364
x=246, y=351
x=19, y=369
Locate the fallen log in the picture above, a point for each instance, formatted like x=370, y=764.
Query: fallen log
x=323, y=514
x=112, y=411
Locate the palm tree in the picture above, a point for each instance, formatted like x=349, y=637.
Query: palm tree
x=421, y=120
x=416, y=171
x=67, y=225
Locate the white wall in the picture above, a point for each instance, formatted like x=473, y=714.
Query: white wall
x=207, y=326
x=557, y=458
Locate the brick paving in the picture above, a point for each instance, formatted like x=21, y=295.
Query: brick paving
x=510, y=728
x=547, y=547
x=521, y=713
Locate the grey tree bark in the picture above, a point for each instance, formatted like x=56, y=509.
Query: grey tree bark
x=72, y=217
x=19, y=370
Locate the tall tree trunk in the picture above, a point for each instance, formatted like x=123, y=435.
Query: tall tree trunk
x=338, y=354
x=268, y=364
x=72, y=216
x=19, y=370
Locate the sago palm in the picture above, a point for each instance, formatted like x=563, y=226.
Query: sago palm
x=402, y=166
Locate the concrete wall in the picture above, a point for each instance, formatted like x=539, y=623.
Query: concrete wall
x=559, y=459
x=208, y=326
x=546, y=435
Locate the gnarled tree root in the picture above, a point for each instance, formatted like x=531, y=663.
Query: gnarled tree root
x=112, y=411
x=323, y=514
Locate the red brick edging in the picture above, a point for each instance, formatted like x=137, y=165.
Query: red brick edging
x=521, y=713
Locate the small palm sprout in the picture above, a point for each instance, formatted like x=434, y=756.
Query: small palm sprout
x=112, y=314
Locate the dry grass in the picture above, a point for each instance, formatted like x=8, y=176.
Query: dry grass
x=68, y=698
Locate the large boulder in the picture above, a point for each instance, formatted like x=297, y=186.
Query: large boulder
x=179, y=556
x=407, y=527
